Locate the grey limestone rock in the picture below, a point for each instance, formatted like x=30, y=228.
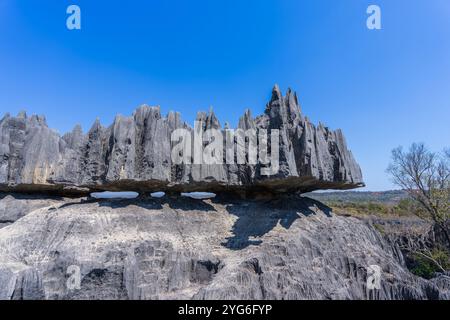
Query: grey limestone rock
x=15, y=206
x=134, y=154
x=181, y=248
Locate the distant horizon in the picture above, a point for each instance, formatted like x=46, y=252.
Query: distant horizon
x=355, y=190
x=383, y=88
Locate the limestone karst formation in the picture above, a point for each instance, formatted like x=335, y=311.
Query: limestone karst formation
x=180, y=248
x=134, y=153
x=172, y=247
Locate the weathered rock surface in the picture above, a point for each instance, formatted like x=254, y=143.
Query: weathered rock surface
x=13, y=207
x=180, y=248
x=134, y=154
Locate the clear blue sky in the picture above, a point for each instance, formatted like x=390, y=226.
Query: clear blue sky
x=383, y=88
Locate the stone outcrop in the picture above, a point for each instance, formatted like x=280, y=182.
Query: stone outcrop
x=15, y=206
x=180, y=248
x=134, y=154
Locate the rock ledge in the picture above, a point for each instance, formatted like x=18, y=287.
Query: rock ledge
x=134, y=154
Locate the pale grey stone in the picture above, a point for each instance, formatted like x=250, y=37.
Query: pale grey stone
x=134, y=154
x=222, y=248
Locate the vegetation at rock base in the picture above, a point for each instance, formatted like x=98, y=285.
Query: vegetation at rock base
x=425, y=267
x=425, y=176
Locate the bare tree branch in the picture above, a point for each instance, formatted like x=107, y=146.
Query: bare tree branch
x=425, y=176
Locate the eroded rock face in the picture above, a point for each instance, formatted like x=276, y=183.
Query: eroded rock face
x=15, y=206
x=134, y=154
x=180, y=248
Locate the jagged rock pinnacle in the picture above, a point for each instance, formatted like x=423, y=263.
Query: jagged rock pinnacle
x=134, y=153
